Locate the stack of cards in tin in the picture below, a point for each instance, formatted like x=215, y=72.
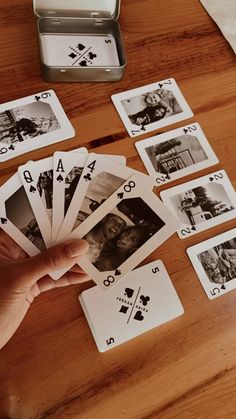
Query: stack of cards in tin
x=91, y=196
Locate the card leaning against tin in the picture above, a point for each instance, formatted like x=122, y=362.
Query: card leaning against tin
x=32, y=122
x=151, y=107
x=145, y=299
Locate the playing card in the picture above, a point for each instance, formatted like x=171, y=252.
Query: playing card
x=32, y=122
x=214, y=261
x=201, y=203
x=176, y=153
x=151, y=107
x=17, y=218
x=67, y=171
x=100, y=178
x=123, y=231
x=37, y=179
x=144, y=299
x=79, y=50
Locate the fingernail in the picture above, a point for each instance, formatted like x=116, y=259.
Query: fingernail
x=77, y=248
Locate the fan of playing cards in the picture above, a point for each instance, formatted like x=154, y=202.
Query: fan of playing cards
x=97, y=197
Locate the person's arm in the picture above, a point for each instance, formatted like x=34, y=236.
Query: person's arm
x=23, y=278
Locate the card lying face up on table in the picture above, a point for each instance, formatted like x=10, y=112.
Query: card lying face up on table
x=214, y=261
x=151, y=107
x=201, y=203
x=32, y=122
x=126, y=228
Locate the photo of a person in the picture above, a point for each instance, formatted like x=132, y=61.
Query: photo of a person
x=107, y=229
x=151, y=106
x=71, y=182
x=27, y=122
x=121, y=233
x=118, y=250
x=219, y=262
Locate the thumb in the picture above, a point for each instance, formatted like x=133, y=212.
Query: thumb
x=61, y=256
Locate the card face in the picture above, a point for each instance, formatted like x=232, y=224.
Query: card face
x=32, y=122
x=100, y=178
x=123, y=231
x=144, y=299
x=17, y=218
x=151, y=107
x=176, y=153
x=37, y=179
x=202, y=203
x=79, y=50
x=214, y=261
x=67, y=172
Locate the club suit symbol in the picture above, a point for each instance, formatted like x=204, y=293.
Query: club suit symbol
x=87, y=177
x=144, y=300
x=92, y=55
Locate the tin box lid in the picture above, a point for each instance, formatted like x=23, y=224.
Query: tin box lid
x=93, y=9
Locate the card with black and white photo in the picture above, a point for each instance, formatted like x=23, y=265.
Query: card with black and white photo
x=67, y=171
x=214, y=261
x=123, y=231
x=100, y=178
x=17, y=218
x=37, y=179
x=79, y=50
x=32, y=122
x=201, y=203
x=151, y=107
x=146, y=298
x=176, y=153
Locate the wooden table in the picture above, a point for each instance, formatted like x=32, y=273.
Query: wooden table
x=186, y=368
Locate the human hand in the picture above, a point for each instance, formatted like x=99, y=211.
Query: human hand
x=23, y=278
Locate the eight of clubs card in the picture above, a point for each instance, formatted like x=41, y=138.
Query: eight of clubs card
x=214, y=261
x=176, y=153
x=151, y=107
x=131, y=224
x=144, y=299
x=201, y=203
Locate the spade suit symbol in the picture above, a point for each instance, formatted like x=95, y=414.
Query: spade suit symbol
x=120, y=195
x=117, y=272
x=223, y=287
x=129, y=292
x=60, y=178
x=80, y=47
x=32, y=189
x=138, y=316
x=3, y=220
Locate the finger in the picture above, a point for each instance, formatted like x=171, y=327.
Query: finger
x=62, y=256
x=76, y=268
x=69, y=278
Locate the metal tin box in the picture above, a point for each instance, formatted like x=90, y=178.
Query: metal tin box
x=80, y=40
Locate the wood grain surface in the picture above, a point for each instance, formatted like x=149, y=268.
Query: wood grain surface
x=185, y=369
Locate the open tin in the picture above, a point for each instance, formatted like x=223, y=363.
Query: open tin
x=80, y=40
